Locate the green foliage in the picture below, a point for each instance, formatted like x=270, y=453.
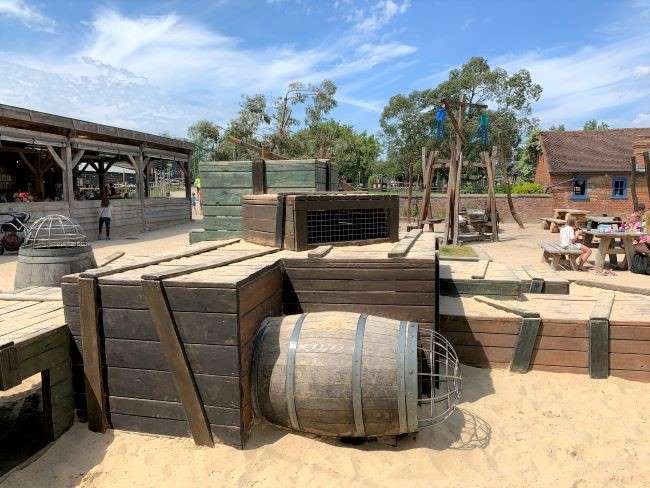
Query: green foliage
x=457, y=251
x=528, y=155
x=522, y=188
x=593, y=124
x=407, y=121
x=559, y=127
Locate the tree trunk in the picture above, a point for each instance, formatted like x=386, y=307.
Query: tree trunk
x=410, y=193
x=511, y=204
x=635, y=197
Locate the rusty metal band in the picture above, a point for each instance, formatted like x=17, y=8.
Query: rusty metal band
x=289, y=385
x=411, y=376
x=401, y=385
x=357, y=367
x=257, y=345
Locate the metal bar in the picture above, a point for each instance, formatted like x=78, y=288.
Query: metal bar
x=410, y=376
x=357, y=367
x=401, y=386
x=291, y=372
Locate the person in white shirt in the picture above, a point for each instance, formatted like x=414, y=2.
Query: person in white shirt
x=105, y=211
x=569, y=238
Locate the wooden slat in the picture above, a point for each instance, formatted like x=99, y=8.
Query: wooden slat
x=405, y=244
x=481, y=269
x=319, y=252
x=93, y=354
x=525, y=344
x=178, y=363
x=506, y=307
x=599, y=336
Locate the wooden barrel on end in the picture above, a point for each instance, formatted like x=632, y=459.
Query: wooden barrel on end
x=337, y=374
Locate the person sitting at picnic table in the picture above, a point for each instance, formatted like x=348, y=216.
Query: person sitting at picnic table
x=569, y=238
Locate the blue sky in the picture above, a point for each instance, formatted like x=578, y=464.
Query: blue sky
x=160, y=65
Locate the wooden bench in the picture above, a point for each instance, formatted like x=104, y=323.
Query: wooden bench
x=553, y=253
x=34, y=339
x=553, y=224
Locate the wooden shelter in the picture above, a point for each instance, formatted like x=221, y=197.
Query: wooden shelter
x=42, y=156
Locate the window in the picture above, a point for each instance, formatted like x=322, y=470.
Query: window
x=579, y=188
x=619, y=186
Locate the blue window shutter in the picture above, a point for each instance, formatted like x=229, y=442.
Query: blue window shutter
x=619, y=187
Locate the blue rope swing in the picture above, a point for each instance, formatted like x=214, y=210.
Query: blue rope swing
x=439, y=129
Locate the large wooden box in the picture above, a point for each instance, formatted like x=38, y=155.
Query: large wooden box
x=223, y=183
x=303, y=221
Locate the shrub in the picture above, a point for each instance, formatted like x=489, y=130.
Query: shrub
x=525, y=187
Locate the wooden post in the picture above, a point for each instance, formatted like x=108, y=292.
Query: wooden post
x=179, y=365
x=93, y=354
x=451, y=182
x=489, y=165
x=409, y=198
x=635, y=197
x=426, y=196
x=459, y=176
x=599, y=336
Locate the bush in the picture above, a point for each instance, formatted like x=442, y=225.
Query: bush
x=525, y=187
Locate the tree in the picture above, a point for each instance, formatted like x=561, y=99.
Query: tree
x=559, y=127
x=205, y=137
x=593, y=124
x=407, y=121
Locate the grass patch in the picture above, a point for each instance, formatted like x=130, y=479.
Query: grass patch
x=458, y=251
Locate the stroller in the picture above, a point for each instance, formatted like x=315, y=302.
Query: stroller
x=12, y=232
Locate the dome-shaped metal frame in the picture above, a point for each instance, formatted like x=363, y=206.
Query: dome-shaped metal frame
x=54, y=231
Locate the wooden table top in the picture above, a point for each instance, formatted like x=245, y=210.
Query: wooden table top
x=604, y=219
x=571, y=210
x=618, y=233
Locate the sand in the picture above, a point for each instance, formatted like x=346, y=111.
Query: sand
x=538, y=429
x=511, y=430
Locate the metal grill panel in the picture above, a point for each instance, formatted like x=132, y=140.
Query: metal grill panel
x=346, y=225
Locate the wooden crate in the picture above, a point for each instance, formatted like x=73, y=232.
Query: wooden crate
x=215, y=313
x=223, y=183
x=304, y=221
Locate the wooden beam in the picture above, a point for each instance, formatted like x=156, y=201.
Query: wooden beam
x=77, y=157
x=174, y=351
x=31, y=137
x=492, y=202
x=104, y=147
x=646, y=162
x=56, y=157
x=481, y=269
x=525, y=344
x=9, y=367
x=319, y=252
x=613, y=287
x=93, y=354
x=162, y=154
x=27, y=163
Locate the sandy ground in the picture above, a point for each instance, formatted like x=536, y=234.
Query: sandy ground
x=538, y=429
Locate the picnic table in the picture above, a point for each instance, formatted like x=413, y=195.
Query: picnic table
x=593, y=221
x=564, y=213
x=606, y=245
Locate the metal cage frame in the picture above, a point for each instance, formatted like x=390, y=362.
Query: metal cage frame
x=54, y=231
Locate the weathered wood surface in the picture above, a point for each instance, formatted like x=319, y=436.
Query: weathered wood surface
x=34, y=339
x=615, y=330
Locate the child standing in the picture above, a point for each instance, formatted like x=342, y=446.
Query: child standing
x=105, y=212
x=569, y=238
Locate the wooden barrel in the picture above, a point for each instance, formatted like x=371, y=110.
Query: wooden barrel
x=337, y=374
x=46, y=267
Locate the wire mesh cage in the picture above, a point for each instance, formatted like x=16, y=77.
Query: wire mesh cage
x=54, y=231
x=439, y=378
x=341, y=225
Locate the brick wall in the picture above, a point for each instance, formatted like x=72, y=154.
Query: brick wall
x=599, y=192
x=528, y=207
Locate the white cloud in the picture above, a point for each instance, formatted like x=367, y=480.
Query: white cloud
x=641, y=120
x=163, y=73
x=31, y=17
x=580, y=84
x=378, y=15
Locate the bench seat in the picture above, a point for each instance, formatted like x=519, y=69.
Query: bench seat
x=553, y=253
x=552, y=223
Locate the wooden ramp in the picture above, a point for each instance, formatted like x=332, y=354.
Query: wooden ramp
x=34, y=339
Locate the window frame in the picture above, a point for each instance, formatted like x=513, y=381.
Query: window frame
x=573, y=184
x=619, y=178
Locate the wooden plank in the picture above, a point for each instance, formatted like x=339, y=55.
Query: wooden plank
x=93, y=354
x=525, y=344
x=506, y=307
x=481, y=269
x=259, y=177
x=9, y=367
x=599, y=335
x=178, y=363
x=613, y=287
x=403, y=246
x=319, y=252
